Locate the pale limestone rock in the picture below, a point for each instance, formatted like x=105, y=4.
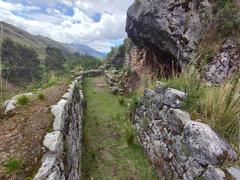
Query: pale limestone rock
x=11, y=104
x=54, y=141
x=58, y=112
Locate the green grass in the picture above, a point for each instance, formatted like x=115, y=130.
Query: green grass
x=12, y=166
x=23, y=100
x=121, y=101
x=106, y=154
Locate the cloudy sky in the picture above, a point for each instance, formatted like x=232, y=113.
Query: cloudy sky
x=99, y=24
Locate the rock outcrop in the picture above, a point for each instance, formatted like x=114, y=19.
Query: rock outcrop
x=113, y=79
x=224, y=64
x=63, y=157
x=177, y=146
x=170, y=29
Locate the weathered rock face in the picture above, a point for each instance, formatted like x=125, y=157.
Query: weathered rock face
x=224, y=64
x=178, y=147
x=142, y=61
x=171, y=29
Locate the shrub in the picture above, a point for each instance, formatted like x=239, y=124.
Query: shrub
x=23, y=100
x=12, y=166
x=227, y=18
x=40, y=96
x=129, y=134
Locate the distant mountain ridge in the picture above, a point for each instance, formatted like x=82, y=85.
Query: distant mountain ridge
x=86, y=49
x=40, y=43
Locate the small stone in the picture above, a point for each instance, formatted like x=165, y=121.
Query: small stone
x=160, y=87
x=173, y=98
x=213, y=173
x=114, y=90
x=234, y=172
x=148, y=93
x=54, y=141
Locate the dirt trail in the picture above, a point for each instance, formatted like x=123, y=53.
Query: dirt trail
x=106, y=154
x=22, y=134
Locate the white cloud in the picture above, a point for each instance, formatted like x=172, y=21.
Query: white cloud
x=78, y=28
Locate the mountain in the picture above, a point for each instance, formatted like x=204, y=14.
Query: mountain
x=49, y=42
x=87, y=50
x=39, y=43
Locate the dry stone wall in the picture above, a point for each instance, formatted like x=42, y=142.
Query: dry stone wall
x=177, y=146
x=63, y=157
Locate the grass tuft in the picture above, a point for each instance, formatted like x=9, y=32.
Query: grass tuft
x=129, y=134
x=221, y=108
x=12, y=166
x=41, y=96
x=23, y=100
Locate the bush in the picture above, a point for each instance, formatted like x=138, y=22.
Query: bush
x=129, y=134
x=41, y=96
x=23, y=100
x=227, y=19
x=12, y=166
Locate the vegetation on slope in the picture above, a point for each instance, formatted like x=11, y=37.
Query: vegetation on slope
x=20, y=64
x=110, y=150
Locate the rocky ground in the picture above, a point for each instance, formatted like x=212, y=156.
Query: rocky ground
x=22, y=132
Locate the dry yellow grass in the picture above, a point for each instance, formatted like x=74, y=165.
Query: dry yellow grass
x=146, y=82
x=221, y=108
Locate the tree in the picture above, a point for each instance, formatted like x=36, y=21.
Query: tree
x=55, y=59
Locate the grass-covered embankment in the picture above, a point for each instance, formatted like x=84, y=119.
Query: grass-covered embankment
x=106, y=154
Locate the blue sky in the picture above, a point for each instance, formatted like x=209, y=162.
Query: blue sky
x=99, y=24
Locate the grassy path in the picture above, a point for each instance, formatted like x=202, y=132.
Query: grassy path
x=106, y=154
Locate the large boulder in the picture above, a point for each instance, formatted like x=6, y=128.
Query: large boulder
x=171, y=29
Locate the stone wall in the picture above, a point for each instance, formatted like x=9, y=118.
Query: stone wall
x=178, y=147
x=63, y=157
